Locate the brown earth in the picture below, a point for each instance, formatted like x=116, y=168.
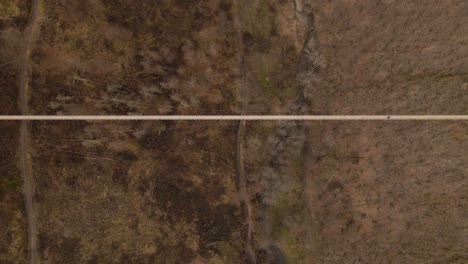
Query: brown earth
x=168, y=192
x=13, y=224
x=148, y=192
x=391, y=57
x=140, y=57
x=388, y=192
x=13, y=21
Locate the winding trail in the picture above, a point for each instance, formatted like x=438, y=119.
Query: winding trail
x=244, y=197
x=250, y=257
x=25, y=138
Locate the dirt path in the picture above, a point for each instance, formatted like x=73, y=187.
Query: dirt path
x=250, y=257
x=25, y=139
x=244, y=197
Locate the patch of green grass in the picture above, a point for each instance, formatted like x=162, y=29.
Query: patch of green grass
x=290, y=205
x=288, y=215
x=288, y=93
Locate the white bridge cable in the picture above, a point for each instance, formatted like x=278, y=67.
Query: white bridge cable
x=232, y=117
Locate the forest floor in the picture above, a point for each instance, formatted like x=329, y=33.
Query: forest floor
x=224, y=191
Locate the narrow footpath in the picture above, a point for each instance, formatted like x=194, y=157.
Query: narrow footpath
x=25, y=138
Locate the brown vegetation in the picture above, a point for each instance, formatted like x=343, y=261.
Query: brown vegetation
x=390, y=192
x=13, y=226
x=392, y=57
x=13, y=20
x=141, y=58
x=166, y=192
x=152, y=192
